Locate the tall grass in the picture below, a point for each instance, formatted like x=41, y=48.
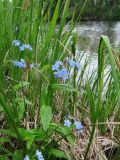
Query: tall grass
x=34, y=104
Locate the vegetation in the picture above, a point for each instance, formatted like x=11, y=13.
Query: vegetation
x=98, y=9
x=49, y=107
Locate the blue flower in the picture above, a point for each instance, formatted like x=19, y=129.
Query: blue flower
x=57, y=65
x=22, y=48
x=78, y=125
x=26, y=157
x=16, y=43
x=63, y=74
x=67, y=123
x=39, y=155
x=20, y=64
x=25, y=46
x=73, y=63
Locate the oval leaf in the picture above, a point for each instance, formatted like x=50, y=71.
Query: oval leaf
x=46, y=116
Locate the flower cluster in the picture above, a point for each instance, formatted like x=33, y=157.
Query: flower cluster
x=57, y=65
x=25, y=46
x=61, y=72
x=21, y=46
x=38, y=155
x=77, y=124
x=67, y=123
x=22, y=64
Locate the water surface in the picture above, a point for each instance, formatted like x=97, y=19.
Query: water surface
x=90, y=31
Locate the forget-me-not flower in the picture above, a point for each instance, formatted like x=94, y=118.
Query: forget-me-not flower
x=73, y=63
x=63, y=74
x=39, y=155
x=20, y=64
x=78, y=125
x=26, y=157
x=28, y=46
x=22, y=48
x=25, y=46
x=67, y=123
x=56, y=66
x=16, y=43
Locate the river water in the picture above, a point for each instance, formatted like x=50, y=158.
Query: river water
x=89, y=34
x=90, y=31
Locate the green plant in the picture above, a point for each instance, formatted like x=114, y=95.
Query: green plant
x=41, y=81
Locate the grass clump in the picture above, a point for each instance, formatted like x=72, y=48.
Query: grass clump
x=50, y=108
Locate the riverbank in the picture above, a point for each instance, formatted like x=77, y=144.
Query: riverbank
x=97, y=13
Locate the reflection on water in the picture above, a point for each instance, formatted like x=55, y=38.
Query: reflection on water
x=89, y=34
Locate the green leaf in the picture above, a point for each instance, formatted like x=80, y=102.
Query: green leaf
x=21, y=100
x=26, y=135
x=63, y=87
x=20, y=85
x=28, y=102
x=57, y=153
x=8, y=132
x=104, y=42
x=63, y=131
x=18, y=154
x=4, y=158
x=3, y=149
x=53, y=22
x=3, y=140
x=91, y=101
x=21, y=106
x=21, y=110
x=30, y=142
x=9, y=116
x=63, y=18
x=46, y=116
x=1, y=109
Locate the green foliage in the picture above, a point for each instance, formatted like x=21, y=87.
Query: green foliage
x=58, y=153
x=26, y=21
x=94, y=11
x=97, y=104
x=9, y=116
x=31, y=98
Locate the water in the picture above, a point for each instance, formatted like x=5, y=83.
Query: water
x=90, y=32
